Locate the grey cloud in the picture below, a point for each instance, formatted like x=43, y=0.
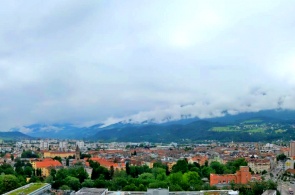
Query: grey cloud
x=93, y=61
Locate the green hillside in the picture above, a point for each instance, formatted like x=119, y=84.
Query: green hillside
x=247, y=130
x=15, y=135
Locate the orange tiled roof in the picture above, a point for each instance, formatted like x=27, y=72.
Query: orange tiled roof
x=48, y=163
x=108, y=164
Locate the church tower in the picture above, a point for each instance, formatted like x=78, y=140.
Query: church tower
x=77, y=153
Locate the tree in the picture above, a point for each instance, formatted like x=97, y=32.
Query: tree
x=192, y=178
x=12, y=157
x=180, y=166
x=159, y=174
x=38, y=172
x=72, y=182
x=127, y=168
x=130, y=187
x=263, y=172
x=88, y=183
x=8, y=183
x=7, y=169
x=175, y=178
x=49, y=179
x=233, y=166
x=65, y=187
x=281, y=157
x=58, y=158
x=29, y=154
x=112, y=171
x=158, y=184
x=53, y=173
x=34, y=179
x=28, y=171
x=67, y=162
x=81, y=174
x=217, y=167
x=205, y=172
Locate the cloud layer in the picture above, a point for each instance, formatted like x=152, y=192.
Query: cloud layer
x=85, y=62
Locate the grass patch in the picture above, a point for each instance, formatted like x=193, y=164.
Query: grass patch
x=256, y=130
x=252, y=121
x=280, y=131
x=224, y=129
x=28, y=190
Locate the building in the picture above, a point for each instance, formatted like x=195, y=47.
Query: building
x=80, y=144
x=52, y=154
x=92, y=191
x=108, y=164
x=242, y=176
x=46, y=165
x=201, y=160
x=292, y=148
x=259, y=165
x=32, y=189
x=77, y=157
x=289, y=164
x=63, y=146
x=44, y=145
x=270, y=192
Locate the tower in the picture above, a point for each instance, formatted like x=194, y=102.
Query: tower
x=77, y=153
x=292, y=148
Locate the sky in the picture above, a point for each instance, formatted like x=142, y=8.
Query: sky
x=87, y=62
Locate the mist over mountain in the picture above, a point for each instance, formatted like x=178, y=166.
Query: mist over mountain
x=14, y=136
x=172, y=130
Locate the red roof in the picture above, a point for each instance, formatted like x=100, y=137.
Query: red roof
x=48, y=163
x=107, y=164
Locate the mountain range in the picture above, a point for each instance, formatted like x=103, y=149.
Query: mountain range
x=253, y=126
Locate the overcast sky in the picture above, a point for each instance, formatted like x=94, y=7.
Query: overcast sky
x=85, y=62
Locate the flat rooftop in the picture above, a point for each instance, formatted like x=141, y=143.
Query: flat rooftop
x=90, y=191
x=27, y=189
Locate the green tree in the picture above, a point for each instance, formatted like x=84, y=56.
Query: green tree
x=180, y=166
x=281, y=157
x=58, y=158
x=193, y=179
x=81, y=174
x=112, y=171
x=159, y=173
x=53, y=173
x=8, y=183
x=127, y=168
x=28, y=171
x=7, y=169
x=72, y=182
x=175, y=178
x=29, y=154
x=34, y=179
x=65, y=187
x=206, y=171
x=158, y=184
x=88, y=183
x=130, y=187
x=62, y=174
x=218, y=167
x=49, y=179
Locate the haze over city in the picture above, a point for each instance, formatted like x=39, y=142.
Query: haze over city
x=87, y=62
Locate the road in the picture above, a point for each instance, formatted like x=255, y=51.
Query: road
x=284, y=188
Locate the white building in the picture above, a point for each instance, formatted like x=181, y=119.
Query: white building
x=63, y=146
x=44, y=145
x=80, y=144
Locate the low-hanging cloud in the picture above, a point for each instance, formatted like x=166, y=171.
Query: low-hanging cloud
x=85, y=62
